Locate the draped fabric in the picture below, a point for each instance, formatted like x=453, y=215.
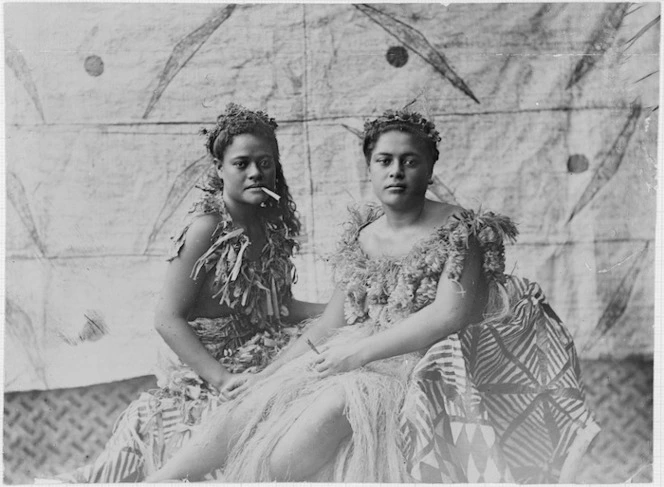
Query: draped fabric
x=499, y=402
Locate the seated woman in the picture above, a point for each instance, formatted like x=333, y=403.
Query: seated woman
x=358, y=398
x=227, y=291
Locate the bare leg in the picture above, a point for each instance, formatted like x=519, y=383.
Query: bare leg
x=206, y=451
x=313, y=439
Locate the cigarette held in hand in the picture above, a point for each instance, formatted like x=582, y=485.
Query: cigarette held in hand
x=271, y=193
x=313, y=347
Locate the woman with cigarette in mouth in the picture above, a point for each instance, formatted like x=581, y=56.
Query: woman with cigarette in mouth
x=226, y=301
x=428, y=364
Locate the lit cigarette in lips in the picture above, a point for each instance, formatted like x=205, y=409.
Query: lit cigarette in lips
x=271, y=193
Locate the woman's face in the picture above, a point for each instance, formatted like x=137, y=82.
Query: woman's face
x=400, y=168
x=248, y=164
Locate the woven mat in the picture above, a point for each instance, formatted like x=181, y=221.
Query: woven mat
x=48, y=432
x=621, y=396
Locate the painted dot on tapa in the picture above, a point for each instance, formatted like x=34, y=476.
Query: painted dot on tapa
x=577, y=163
x=93, y=65
x=397, y=56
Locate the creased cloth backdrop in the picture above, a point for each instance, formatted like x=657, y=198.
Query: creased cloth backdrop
x=547, y=113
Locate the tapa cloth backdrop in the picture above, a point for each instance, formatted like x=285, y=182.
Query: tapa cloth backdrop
x=546, y=111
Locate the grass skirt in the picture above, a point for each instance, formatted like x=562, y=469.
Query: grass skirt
x=373, y=400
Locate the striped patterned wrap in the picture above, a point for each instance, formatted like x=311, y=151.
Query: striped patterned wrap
x=498, y=402
x=147, y=433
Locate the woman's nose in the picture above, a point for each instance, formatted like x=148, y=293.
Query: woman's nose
x=254, y=171
x=396, y=169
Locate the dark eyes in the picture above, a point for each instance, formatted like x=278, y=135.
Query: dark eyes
x=265, y=163
x=386, y=161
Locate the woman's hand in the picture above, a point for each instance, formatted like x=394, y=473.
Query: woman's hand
x=235, y=385
x=339, y=358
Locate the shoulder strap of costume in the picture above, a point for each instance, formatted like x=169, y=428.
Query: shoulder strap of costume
x=348, y=249
x=207, y=205
x=490, y=230
x=358, y=218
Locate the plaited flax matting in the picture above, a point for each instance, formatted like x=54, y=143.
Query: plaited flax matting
x=47, y=432
x=621, y=396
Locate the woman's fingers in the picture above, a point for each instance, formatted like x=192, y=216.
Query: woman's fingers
x=321, y=366
x=235, y=392
x=324, y=364
x=225, y=392
x=245, y=385
x=235, y=383
x=237, y=387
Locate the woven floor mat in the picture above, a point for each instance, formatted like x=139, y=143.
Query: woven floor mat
x=621, y=396
x=49, y=432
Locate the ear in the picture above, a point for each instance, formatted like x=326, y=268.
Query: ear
x=430, y=181
x=367, y=164
x=368, y=172
x=218, y=165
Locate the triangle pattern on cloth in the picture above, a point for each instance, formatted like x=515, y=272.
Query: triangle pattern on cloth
x=527, y=385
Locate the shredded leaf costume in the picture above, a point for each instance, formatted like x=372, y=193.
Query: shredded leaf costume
x=257, y=295
x=499, y=401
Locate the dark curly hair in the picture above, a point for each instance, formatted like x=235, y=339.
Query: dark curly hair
x=403, y=121
x=237, y=120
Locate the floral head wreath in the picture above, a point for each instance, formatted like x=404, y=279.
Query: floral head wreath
x=401, y=118
x=238, y=120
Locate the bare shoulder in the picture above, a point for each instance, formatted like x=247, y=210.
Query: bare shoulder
x=369, y=234
x=203, y=226
x=439, y=213
x=200, y=234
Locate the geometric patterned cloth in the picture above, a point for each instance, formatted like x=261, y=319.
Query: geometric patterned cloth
x=498, y=402
x=145, y=435
x=447, y=437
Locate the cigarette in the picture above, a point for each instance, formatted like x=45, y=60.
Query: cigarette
x=271, y=193
x=313, y=347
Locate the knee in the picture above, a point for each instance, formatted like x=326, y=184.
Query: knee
x=314, y=437
x=332, y=403
x=280, y=467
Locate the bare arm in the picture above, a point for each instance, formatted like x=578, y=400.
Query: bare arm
x=178, y=297
x=450, y=311
x=317, y=333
